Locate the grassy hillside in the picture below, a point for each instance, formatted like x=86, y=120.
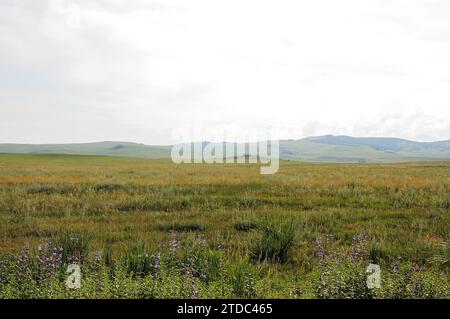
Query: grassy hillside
x=324, y=150
x=144, y=228
x=124, y=149
x=339, y=149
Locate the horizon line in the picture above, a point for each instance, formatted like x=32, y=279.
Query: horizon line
x=224, y=141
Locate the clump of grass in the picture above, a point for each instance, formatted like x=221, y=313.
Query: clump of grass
x=153, y=204
x=109, y=187
x=183, y=227
x=139, y=261
x=408, y=280
x=49, y=189
x=197, y=260
x=275, y=243
x=343, y=279
x=245, y=226
x=108, y=255
x=243, y=277
x=247, y=203
x=75, y=245
x=347, y=279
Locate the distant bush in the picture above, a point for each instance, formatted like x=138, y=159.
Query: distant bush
x=153, y=204
x=250, y=203
x=245, y=226
x=183, y=227
x=48, y=189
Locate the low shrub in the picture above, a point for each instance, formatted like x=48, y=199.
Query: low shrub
x=245, y=226
x=183, y=227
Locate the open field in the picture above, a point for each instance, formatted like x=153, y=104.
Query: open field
x=152, y=229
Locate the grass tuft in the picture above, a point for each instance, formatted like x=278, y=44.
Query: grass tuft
x=183, y=227
x=245, y=226
x=275, y=243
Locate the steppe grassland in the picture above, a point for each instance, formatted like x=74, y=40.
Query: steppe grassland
x=401, y=211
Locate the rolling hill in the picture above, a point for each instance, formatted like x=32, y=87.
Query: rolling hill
x=348, y=149
x=125, y=149
x=328, y=148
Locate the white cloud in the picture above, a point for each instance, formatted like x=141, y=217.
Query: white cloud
x=121, y=70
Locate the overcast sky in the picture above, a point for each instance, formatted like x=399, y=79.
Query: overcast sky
x=79, y=71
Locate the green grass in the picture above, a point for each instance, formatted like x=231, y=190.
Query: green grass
x=226, y=231
x=275, y=243
x=245, y=226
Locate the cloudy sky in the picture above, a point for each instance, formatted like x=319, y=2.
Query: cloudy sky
x=79, y=71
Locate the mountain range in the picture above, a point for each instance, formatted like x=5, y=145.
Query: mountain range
x=328, y=148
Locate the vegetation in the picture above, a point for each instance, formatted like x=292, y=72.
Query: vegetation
x=152, y=229
x=328, y=148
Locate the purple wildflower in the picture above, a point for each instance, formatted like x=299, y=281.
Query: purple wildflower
x=358, y=248
x=201, y=240
x=97, y=257
x=320, y=250
x=25, y=254
x=49, y=257
x=23, y=259
x=189, y=268
x=174, y=243
x=194, y=291
x=396, y=266
x=156, y=265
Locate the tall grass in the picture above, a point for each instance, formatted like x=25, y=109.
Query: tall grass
x=140, y=261
x=275, y=243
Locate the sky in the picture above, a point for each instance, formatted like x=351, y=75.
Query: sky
x=84, y=71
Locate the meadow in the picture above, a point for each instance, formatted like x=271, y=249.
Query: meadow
x=142, y=228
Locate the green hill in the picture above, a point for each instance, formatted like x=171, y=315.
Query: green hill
x=354, y=150
x=328, y=148
x=125, y=149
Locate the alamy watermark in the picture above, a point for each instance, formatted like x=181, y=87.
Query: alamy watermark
x=374, y=276
x=253, y=148
x=73, y=281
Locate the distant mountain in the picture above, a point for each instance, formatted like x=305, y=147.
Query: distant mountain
x=331, y=148
x=328, y=148
x=381, y=143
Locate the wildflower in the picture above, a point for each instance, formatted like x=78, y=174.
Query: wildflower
x=194, y=291
x=396, y=266
x=75, y=258
x=359, y=247
x=49, y=258
x=22, y=261
x=174, y=243
x=320, y=250
x=156, y=265
x=97, y=257
x=201, y=240
x=25, y=254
